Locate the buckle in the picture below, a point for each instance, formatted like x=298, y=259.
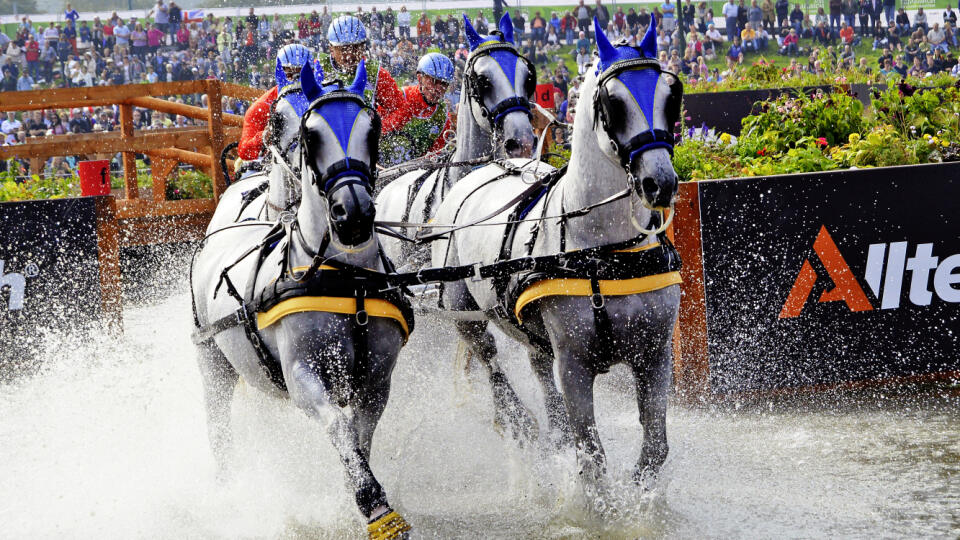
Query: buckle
x=597, y=300
x=362, y=317
x=476, y=272
x=500, y=311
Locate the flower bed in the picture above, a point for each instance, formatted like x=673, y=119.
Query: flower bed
x=183, y=184
x=826, y=131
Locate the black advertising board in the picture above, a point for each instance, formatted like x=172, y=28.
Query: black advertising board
x=723, y=111
x=49, y=269
x=831, y=277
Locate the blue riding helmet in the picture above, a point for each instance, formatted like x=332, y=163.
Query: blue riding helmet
x=437, y=66
x=346, y=30
x=294, y=55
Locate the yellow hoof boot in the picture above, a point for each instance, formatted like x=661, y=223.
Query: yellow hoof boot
x=388, y=527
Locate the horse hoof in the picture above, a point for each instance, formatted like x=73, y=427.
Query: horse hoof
x=518, y=422
x=646, y=478
x=512, y=415
x=389, y=526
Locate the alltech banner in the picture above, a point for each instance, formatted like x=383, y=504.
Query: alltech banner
x=830, y=277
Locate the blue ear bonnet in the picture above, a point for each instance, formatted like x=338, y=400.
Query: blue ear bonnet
x=297, y=99
x=641, y=83
x=341, y=115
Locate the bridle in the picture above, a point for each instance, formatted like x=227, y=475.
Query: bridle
x=475, y=87
x=346, y=172
x=650, y=139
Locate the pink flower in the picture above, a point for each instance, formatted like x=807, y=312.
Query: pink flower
x=822, y=141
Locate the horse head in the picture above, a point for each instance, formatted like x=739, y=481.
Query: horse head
x=288, y=108
x=340, y=135
x=499, y=84
x=635, y=107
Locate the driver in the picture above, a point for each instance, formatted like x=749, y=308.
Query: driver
x=419, y=124
x=291, y=58
x=348, y=45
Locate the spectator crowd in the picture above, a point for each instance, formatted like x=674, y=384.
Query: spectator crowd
x=168, y=45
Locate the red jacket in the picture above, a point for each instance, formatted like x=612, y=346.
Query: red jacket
x=256, y=118
x=254, y=122
x=412, y=106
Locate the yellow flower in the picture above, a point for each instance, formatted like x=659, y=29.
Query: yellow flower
x=854, y=138
x=944, y=144
x=926, y=135
x=725, y=138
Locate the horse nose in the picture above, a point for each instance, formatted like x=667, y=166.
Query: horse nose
x=338, y=212
x=513, y=147
x=659, y=193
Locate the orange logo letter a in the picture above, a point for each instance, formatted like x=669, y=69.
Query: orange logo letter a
x=845, y=287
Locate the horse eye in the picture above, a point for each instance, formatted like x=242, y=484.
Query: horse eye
x=530, y=85
x=616, y=108
x=483, y=83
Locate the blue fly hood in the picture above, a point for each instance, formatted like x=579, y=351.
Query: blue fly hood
x=641, y=83
x=297, y=99
x=475, y=40
x=340, y=114
x=505, y=58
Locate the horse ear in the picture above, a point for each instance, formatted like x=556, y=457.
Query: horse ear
x=281, y=75
x=360, y=81
x=473, y=38
x=608, y=54
x=649, y=43
x=308, y=83
x=506, y=27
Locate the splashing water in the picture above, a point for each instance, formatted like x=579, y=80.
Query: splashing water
x=109, y=441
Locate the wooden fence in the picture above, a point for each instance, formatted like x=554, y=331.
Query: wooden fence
x=155, y=219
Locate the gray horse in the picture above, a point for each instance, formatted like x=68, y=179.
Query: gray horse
x=415, y=195
x=246, y=198
x=314, y=353
x=494, y=121
x=620, y=158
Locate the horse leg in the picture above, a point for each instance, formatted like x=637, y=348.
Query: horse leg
x=576, y=380
x=542, y=365
x=315, y=371
x=509, y=411
x=653, y=383
x=312, y=394
x=219, y=380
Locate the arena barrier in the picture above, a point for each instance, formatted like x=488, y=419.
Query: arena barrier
x=60, y=258
x=723, y=111
x=816, y=280
x=58, y=267
x=155, y=219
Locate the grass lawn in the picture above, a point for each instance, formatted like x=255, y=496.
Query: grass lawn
x=568, y=56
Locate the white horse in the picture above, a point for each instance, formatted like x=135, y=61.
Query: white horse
x=494, y=122
x=283, y=305
x=609, y=308
x=264, y=195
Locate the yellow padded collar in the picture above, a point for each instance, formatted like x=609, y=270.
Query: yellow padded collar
x=581, y=287
x=375, y=307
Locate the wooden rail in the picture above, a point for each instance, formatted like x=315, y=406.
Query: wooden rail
x=144, y=221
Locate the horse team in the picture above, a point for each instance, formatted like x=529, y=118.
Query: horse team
x=295, y=291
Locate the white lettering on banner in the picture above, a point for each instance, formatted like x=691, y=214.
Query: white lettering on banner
x=914, y=4
x=14, y=284
x=945, y=279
